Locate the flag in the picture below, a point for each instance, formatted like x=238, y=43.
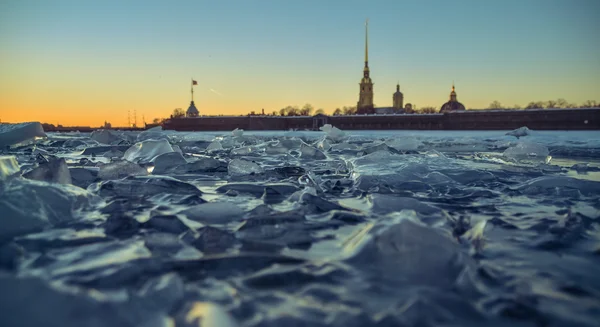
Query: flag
x=194, y=82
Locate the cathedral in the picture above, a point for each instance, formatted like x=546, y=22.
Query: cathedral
x=365, y=104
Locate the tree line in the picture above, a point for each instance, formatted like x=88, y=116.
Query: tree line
x=560, y=103
x=309, y=110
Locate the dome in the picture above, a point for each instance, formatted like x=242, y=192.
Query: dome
x=452, y=106
x=192, y=111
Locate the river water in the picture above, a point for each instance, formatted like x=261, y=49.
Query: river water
x=355, y=228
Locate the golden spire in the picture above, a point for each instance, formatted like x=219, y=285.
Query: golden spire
x=367, y=43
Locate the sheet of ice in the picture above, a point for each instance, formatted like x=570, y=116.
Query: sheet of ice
x=120, y=169
x=28, y=205
x=155, y=133
x=167, y=161
x=17, y=134
x=333, y=133
x=207, y=314
x=147, y=151
x=237, y=132
x=527, y=151
x=105, y=136
x=310, y=152
x=214, y=212
x=520, y=132
x=8, y=167
x=54, y=171
x=34, y=302
x=404, y=143
x=240, y=167
x=214, y=146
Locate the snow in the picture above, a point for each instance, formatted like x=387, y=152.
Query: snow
x=15, y=134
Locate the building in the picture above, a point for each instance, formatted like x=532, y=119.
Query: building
x=192, y=111
x=365, y=96
x=365, y=105
x=453, y=104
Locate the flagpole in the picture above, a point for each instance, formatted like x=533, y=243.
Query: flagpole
x=192, y=88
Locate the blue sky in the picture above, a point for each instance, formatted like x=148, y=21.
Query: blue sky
x=268, y=54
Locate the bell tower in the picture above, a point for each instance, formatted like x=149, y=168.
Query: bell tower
x=365, y=97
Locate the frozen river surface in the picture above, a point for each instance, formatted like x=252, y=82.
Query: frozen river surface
x=361, y=228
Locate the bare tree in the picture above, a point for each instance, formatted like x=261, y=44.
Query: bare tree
x=156, y=121
x=337, y=112
x=178, y=113
x=551, y=104
x=349, y=110
x=495, y=105
x=589, y=104
x=516, y=106
x=535, y=105
x=562, y=103
x=428, y=110
x=307, y=110
x=320, y=111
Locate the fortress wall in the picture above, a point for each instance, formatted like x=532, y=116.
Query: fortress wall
x=545, y=119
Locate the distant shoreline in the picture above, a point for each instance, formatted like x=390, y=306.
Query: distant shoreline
x=537, y=119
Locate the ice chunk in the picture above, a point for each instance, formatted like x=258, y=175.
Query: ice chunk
x=237, y=132
x=34, y=302
x=214, y=146
x=546, y=184
x=95, y=150
x=308, y=151
x=243, y=151
x=147, y=151
x=120, y=169
x=240, y=167
x=383, y=204
x=323, y=144
x=404, y=144
x=8, y=167
x=83, y=177
x=167, y=161
x=519, y=132
x=333, y=133
x=55, y=170
x=27, y=205
x=527, y=151
x=16, y=134
x=105, y=136
x=214, y=212
x=155, y=133
x=402, y=251
x=205, y=314
x=143, y=186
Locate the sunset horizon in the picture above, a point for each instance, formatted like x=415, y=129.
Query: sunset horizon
x=80, y=64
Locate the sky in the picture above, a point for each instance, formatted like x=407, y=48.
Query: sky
x=83, y=62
